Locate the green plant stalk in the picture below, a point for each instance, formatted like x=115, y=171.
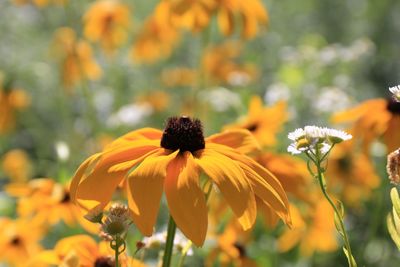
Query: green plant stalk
x=322, y=184
x=116, y=250
x=169, y=245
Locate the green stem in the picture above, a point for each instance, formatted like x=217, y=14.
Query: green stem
x=116, y=250
x=169, y=245
x=322, y=184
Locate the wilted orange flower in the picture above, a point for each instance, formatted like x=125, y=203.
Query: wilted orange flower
x=11, y=101
x=107, y=22
x=16, y=165
x=172, y=161
x=263, y=122
x=177, y=77
x=372, y=119
x=81, y=251
x=231, y=248
x=40, y=3
x=220, y=64
x=351, y=173
x=157, y=37
x=314, y=232
x=77, y=62
x=47, y=202
x=19, y=241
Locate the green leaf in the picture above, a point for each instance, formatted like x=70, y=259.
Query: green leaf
x=350, y=258
x=392, y=230
x=394, y=195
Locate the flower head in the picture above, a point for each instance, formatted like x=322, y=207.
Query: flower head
x=171, y=161
x=393, y=167
x=395, y=90
x=313, y=138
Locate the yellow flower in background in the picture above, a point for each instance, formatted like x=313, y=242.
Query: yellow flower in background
x=157, y=99
x=107, y=22
x=46, y=202
x=219, y=62
x=16, y=165
x=40, y=3
x=76, y=59
x=231, y=248
x=157, y=38
x=314, y=231
x=263, y=122
x=178, y=77
x=171, y=161
x=351, y=173
x=81, y=251
x=11, y=101
x=373, y=119
x=251, y=12
x=19, y=241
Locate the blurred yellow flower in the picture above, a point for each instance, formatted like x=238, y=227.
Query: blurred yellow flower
x=171, y=161
x=231, y=248
x=107, y=22
x=81, y=251
x=157, y=99
x=314, y=232
x=16, y=165
x=46, y=203
x=77, y=62
x=372, y=119
x=19, y=241
x=40, y=3
x=220, y=64
x=263, y=122
x=351, y=173
x=11, y=101
x=178, y=77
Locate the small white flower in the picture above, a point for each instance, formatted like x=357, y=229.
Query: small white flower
x=337, y=136
x=395, y=90
x=296, y=134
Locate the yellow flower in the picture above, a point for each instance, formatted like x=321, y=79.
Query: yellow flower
x=178, y=77
x=157, y=99
x=11, y=101
x=263, y=122
x=316, y=232
x=75, y=57
x=157, y=37
x=231, y=248
x=372, y=119
x=19, y=240
x=220, y=64
x=16, y=165
x=107, y=22
x=81, y=251
x=171, y=161
x=47, y=202
x=352, y=173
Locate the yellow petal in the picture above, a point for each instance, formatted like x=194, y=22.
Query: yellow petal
x=232, y=183
x=225, y=21
x=144, y=133
x=239, y=139
x=145, y=187
x=185, y=198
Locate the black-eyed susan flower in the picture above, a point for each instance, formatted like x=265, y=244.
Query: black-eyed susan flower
x=172, y=161
x=19, y=241
x=263, y=122
x=368, y=126
x=16, y=165
x=107, y=22
x=47, y=202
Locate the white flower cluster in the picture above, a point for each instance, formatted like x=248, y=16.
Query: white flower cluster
x=395, y=90
x=314, y=137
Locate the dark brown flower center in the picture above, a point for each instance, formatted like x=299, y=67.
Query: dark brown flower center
x=393, y=106
x=16, y=241
x=66, y=198
x=252, y=127
x=183, y=133
x=241, y=249
x=345, y=164
x=104, y=262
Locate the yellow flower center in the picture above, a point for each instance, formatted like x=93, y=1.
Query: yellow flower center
x=183, y=133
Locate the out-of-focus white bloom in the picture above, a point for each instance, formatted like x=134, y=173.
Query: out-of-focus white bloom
x=221, y=99
x=239, y=78
x=395, y=90
x=331, y=99
x=62, y=150
x=277, y=92
x=158, y=239
x=313, y=138
x=130, y=115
